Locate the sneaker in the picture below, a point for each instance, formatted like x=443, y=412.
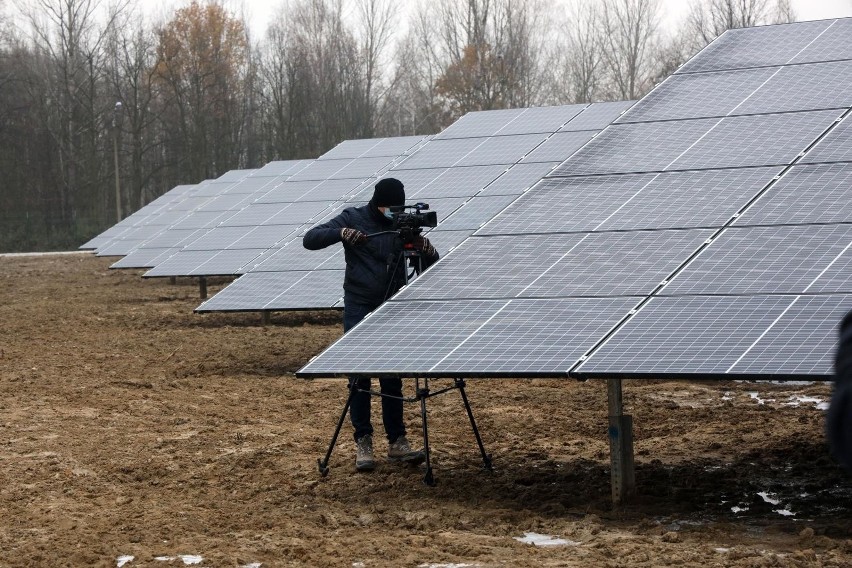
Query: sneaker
x=364, y=454
x=400, y=451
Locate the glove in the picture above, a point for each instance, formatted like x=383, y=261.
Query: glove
x=352, y=237
x=423, y=244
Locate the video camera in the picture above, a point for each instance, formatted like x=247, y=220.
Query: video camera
x=410, y=223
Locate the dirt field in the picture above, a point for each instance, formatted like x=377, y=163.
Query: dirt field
x=131, y=427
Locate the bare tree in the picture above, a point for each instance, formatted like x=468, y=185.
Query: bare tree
x=630, y=30
x=376, y=19
x=582, y=61
x=707, y=19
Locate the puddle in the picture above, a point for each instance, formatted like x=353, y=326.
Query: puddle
x=188, y=559
x=122, y=560
x=544, y=540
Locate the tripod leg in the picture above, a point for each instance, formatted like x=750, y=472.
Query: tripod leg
x=423, y=394
x=323, y=464
x=486, y=458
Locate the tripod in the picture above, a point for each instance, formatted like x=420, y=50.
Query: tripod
x=421, y=395
x=408, y=254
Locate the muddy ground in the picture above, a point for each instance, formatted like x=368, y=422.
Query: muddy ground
x=131, y=427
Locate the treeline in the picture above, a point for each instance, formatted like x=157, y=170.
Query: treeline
x=85, y=87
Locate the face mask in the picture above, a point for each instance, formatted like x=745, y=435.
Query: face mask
x=388, y=213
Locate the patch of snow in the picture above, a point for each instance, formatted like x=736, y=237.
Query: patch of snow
x=767, y=497
x=796, y=400
x=122, y=560
x=544, y=540
x=721, y=550
x=756, y=397
x=252, y=565
x=737, y=509
x=188, y=559
x=727, y=396
x=358, y=565
x=444, y=565
x=785, y=512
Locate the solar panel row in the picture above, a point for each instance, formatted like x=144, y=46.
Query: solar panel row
x=705, y=234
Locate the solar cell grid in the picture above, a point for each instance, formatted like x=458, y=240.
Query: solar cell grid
x=218, y=238
x=393, y=147
x=181, y=263
x=263, y=236
x=835, y=147
x=801, y=342
x=803, y=87
x=501, y=150
x=597, y=116
x=686, y=335
x=759, y=140
x=440, y=153
x=454, y=182
x=287, y=192
x=478, y=124
x=559, y=146
x=361, y=168
x=541, y=119
x=518, y=178
x=756, y=47
x=670, y=200
x=320, y=170
x=698, y=95
x=763, y=260
x=535, y=337
x=280, y=168
x=297, y=213
x=225, y=262
x=294, y=256
x=143, y=258
x=805, y=194
x=444, y=241
x=641, y=147
x=349, y=149
x=557, y=265
x=475, y=212
x=419, y=346
x=201, y=220
x=831, y=45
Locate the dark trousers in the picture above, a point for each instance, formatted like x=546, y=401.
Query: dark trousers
x=359, y=409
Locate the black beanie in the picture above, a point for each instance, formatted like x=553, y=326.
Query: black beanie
x=389, y=191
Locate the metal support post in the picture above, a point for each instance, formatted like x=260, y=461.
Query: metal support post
x=620, y=445
x=265, y=317
x=202, y=287
x=172, y=280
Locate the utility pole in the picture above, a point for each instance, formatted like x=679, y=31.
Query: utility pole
x=116, y=128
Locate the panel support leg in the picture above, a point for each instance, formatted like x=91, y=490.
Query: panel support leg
x=172, y=280
x=620, y=445
x=202, y=287
x=265, y=317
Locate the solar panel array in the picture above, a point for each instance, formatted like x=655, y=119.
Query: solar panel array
x=707, y=233
x=467, y=174
x=258, y=225
x=224, y=201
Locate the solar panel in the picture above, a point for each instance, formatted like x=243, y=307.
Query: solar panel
x=699, y=95
x=452, y=182
x=671, y=200
x=440, y=153
x=763, y=260
x=597, y=116
x=478, y=337
x=559, y=146
x=686, y=335
x=479, y=124
x=757, y=47
x=518, y=179
x=557, y=265
x=278, y=291
x=835, y=147
x=805, y=194
x=541, y=119
x=475, y=212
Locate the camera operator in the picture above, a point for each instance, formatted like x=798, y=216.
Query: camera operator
x=839, y=419
x=375, y=271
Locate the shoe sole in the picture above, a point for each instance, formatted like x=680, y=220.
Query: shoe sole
x=411, y=460
x=369, y=466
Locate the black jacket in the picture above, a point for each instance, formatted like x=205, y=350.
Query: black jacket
x=839, y=419
x=369, y=278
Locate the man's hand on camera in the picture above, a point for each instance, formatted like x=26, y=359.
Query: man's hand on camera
x=423, y=244
x=352, y=237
